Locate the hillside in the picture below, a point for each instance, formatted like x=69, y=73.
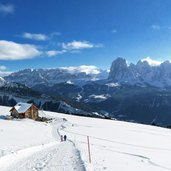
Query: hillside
x=115, y=145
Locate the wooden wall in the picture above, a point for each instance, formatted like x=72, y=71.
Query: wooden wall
x=31, y=113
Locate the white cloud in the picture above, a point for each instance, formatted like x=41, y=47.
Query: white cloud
x=33, y=36
x=114, y=31
x=151, y=61
x=76, y=45
x=40, y=36
x=159, y=27
x=14, y=51
x=2, y=67
x=54, y=34
x=72, y=47
x=7, y=9
x=156, y=27
x=5, y=73
x=99, y=45
x=83, y=68
x=51, y=53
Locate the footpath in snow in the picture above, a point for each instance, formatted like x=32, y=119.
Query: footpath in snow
x=62, y=157
x=117, y=145
x=42, y=155
x=114, y=145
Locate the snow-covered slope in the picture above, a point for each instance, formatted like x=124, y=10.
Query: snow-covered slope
x=114, y=145
x=19, y=134
x=120, y=146
x=27, y=145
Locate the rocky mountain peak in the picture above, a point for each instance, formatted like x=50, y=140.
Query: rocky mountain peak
x=141, y=73
x=2, y=81
x=166, y=64
x=118, y=69
x=142, y=64
x=119, y=62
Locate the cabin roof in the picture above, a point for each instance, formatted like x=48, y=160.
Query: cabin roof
x=22, y=107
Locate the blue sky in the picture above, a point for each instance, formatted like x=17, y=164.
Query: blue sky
x=61, y=33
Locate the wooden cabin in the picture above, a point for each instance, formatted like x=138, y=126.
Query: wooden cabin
x=24, y=110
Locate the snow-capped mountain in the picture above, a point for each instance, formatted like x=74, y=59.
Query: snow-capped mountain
x=2, y=81
x=137, y=92
x=70, y=75
x=143, y=73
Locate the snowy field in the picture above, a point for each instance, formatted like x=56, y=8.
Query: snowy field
x=115, y=145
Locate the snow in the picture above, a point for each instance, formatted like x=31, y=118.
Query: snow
x=97, y=98
x=114, y=145
x=151, y=62
x=146, y=71
x=2, y=81
x=53, y=156
x=22, y=107
x=69, y=82
x=19, y=155
x=79, y=97
x=117, y=145
x=83, y=68
x=101, y=96
x=17, y=134
x=112, y=84
x=29, y=145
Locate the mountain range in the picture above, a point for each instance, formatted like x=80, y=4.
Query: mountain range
x=136, y=92
x=141, y=74
x=76, y=75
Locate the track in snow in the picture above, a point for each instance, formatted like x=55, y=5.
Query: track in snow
x=48, y=157
x=62, y=157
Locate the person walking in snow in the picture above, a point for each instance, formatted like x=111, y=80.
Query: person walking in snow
x=61, y=138
x=65, y=137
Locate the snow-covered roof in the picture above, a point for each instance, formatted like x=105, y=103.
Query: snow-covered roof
x=22, y=107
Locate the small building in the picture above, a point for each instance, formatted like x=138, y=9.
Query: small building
x=24, y=110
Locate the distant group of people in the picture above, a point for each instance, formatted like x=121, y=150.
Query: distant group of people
x=63, y=138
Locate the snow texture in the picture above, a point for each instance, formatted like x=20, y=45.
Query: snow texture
x=28, y=145
x=120, y=146
x=22, y=107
